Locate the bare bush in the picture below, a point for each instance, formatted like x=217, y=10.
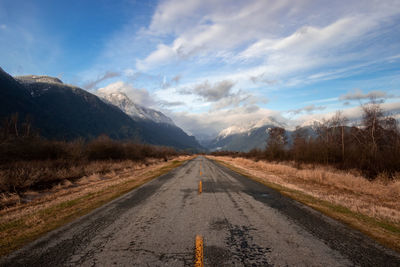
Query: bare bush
x=29, y=161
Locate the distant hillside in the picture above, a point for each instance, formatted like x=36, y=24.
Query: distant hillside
x=245, y=139
x=67, y=112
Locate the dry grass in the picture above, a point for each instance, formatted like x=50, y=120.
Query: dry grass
x=23, y=175
x=36, y=212
x=372, y=207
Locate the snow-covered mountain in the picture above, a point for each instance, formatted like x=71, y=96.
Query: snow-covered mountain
x=154, y=122
x=65, y=112
x=244, y=137
x=29, y=79
x=236, y=129
x=134, y=110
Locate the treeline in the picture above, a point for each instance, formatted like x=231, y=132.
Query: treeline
x=101, y=148
x=373, y=147
x=28, y=160
x=19, y=141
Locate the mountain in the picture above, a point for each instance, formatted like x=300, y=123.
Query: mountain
x=159, y=128
x=61, y=111
x=66, y=112
x=254, y=135
x=243, y=140
x=137, y=112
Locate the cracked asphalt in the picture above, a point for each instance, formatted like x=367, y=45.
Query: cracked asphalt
x=243, y=223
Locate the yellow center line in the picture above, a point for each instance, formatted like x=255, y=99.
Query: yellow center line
x=200, y=187
x=199, y=261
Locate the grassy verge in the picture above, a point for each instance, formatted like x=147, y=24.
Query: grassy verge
x=17, y=232
x=383, y=231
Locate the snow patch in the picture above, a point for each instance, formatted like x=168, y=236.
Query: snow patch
x=122, y=101
x=248, y=128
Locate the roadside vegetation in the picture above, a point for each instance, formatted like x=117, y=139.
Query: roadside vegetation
x=45, y=184
x=351, y=173
x=371, y=147
x=29, y=162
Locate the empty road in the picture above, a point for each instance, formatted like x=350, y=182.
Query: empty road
x=242, y=222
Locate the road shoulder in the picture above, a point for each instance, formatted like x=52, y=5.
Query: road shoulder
x=19, y=228
x=316, y=216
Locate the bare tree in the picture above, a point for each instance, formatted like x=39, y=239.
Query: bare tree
x=337, y=124
x=276, y=142
x=300, y=144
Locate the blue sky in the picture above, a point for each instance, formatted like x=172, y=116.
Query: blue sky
x=213, y=64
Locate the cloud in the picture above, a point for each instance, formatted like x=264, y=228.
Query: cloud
x=357, y=94
x=176, y=79
x=161, y=56
x=220, y=95
x=171, y=104
x=211, y=123
x=347, y=103
x=167, y=83
x=105, y=76
x=138, y=95
x=201, y=28
x=353, y=114
x=279, y=39
x=240, y=98
x=211, y=92
x=307, y=109
x=233, y=54
x=214, y=92
x=3, y=26
x=262, y=79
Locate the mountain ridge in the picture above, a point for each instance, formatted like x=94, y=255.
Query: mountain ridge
x=67, y=112
x=253, y=135
x=136, y=111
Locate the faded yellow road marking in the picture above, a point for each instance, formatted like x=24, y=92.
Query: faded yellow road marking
x=199, y=261
x=200, y=187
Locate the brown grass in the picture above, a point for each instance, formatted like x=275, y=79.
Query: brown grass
x=36, y=212
x=371, y=207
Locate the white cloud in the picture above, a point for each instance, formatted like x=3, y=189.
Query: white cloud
x=211, y=123
x=213, y=92
x=354, y=114
x=107, y=75
x=162, y=55
x=309, y=39
x=259, y=46
x=283, y=37
x=357, y=94
x=308, y=109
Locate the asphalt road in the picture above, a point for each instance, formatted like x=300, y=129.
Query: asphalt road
x=242, y=222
